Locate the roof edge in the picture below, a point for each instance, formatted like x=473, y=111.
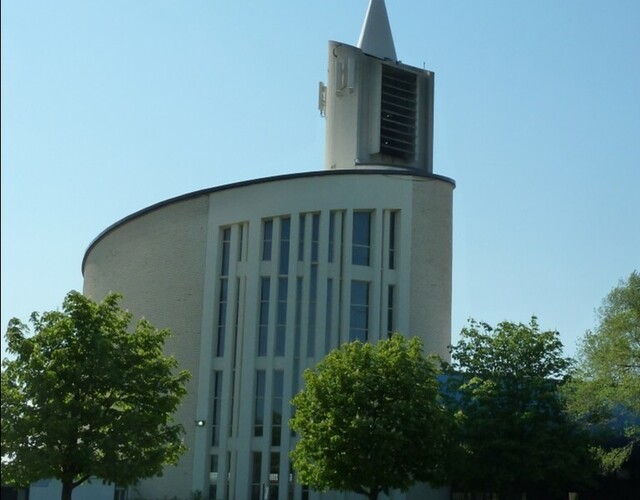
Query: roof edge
x=261, y=180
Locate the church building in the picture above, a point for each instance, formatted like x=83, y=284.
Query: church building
x=258, y=280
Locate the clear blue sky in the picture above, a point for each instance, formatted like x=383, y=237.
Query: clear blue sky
x=111, y=106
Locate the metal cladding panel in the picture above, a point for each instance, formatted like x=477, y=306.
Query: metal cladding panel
x=379, y=112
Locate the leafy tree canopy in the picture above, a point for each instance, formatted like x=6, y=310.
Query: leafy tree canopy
x=369, y=419
x=606, y=384
x=86, y=397
x=503, y=390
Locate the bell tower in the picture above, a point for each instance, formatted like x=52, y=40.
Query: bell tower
x=379, y=111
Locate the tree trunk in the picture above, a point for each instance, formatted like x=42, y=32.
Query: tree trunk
x=67, y=490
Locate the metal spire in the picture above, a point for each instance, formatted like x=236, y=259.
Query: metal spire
x=375, y=37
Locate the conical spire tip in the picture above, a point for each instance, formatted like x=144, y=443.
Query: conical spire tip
x=376, y=38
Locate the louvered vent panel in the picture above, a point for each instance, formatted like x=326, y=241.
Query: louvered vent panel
x=398, y=113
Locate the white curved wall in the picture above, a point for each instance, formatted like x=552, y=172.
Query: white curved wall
x=168, y=263
x=156, y=261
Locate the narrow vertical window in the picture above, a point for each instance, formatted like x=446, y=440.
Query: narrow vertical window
x=390, y=307
x=298, y=320
x=263, y=326
x=285, y=236
x=267, y=239
x=230, y=474
x=274, y=475
x=361, y=238
x=258, y=418
x=313, y=285
x=301, y=236
x=256, y=486
x=213, y=477
x=313, y=299
x=332, y=235
x=226, y=245
x=234, y=352
x=222, y=316
x=236, y=321
x=242, y=248
x=276, y=407
x=328, y=316
x=297, y=337
x=359, y=311
x=289, y=472
x=224, y=285
x=392, y=239
x=217, y=407
x=232, y=401
x=315, y=237
x=281, y=317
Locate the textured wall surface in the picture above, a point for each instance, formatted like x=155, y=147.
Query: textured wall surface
x=166, y=261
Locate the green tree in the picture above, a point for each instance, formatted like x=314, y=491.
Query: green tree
x=503, y=388
x=369, y=419
x=86, y=396
x=605, y=390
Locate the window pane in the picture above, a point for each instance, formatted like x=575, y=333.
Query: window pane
x=285, y=235
x=267, y=238
x=315, y=236
x=359, y=311
x=263, y=328
x=392, y=239
x=213, y=476
x=301, y=237
x=390, y=307
x=255, y=475
x=226, y=243
x=274, y=476
x=361, y=238
x=258, y=419
x=222, y=316
x=217, y=403
x=241, y=242
x=276, y=406
x=298, y=321
x=332, y=236
x=361, y=227
x=281, y=320
x=328, y=316
x=311, y=320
